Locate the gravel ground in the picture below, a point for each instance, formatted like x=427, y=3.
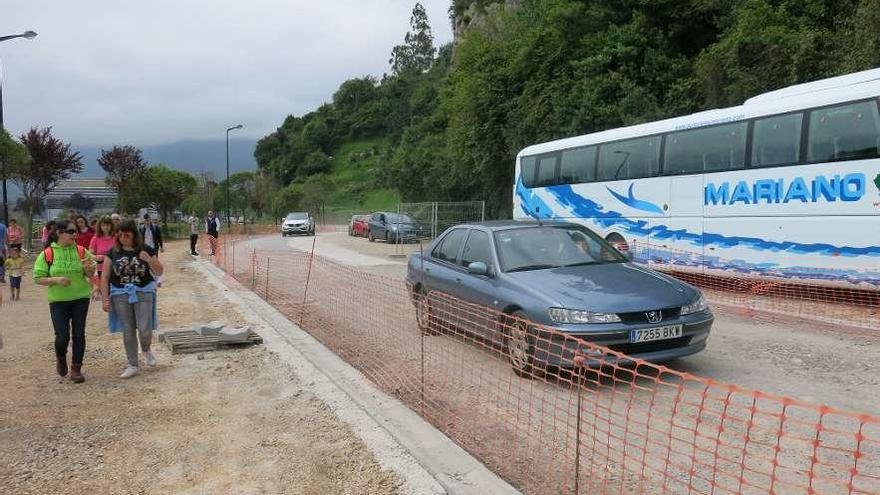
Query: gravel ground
x=234, y=421
x=816, y=365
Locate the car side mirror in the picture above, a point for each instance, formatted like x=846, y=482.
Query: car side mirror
x=478, y=268
x=628, y=255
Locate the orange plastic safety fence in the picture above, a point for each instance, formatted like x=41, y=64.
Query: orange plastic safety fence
x=555, y=414
x=811, y=297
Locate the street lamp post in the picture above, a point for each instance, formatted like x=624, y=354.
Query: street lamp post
x=27, y=35
x=228, y=207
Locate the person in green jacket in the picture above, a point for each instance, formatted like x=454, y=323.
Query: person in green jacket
x=67, y=278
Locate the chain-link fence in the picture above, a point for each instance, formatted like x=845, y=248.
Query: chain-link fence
x=421, y=222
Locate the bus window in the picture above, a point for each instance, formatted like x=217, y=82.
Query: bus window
x=630, y=159
x=527, y=170
x=546, y=171
x=578, y=165
x=777, y=140
x=709, y=149
x=844, y=132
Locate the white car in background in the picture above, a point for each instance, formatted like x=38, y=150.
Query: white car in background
x=298, y=223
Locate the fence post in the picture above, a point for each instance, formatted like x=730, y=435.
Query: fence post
x=577, y=438
x=483, y=210
x=254, y=269
x=233, y=259
x=302, y=312
x=267, y=279
x=434, y=220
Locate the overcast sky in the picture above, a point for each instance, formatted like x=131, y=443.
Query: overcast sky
x=141, y=72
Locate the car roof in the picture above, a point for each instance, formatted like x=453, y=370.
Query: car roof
x=496, y=225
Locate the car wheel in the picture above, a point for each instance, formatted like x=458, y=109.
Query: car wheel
x=618, y=242
x=520, y=344
x=370, y=236
x=425, y=319
x=350, y=232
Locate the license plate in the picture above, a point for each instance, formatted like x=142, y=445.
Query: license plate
x=659, y=333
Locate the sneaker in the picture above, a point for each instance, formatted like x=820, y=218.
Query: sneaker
x=150, y=358
x=129, y=372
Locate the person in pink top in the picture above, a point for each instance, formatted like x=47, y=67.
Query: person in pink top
x=14, y=235
x=99, y=246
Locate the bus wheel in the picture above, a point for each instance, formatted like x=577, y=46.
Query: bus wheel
x=618, y=242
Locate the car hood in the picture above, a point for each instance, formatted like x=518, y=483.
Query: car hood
x=607, y=288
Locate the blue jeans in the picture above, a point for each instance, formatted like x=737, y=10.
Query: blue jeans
x=69, y=319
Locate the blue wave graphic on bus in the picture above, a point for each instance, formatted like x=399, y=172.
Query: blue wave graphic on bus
x=634, y=202
x=582, y=207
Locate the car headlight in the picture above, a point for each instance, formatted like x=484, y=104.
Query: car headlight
x=697, y=305
x=562, y=315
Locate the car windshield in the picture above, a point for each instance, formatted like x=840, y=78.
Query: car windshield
x=396, y=218
x=536, y=248
x=297, y=216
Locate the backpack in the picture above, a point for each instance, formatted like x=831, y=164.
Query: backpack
x=49, y=254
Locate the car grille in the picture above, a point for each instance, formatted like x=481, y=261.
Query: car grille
x=640, y=317
x=655, y=346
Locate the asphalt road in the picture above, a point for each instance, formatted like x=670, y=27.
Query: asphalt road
x=819, y=366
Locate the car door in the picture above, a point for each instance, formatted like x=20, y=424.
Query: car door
x=478, y=289
x=441, y=273
x=377, y=225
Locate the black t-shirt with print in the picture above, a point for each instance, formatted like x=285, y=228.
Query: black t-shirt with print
x=128, y=268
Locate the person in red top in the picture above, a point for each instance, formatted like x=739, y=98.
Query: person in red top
x=14, y=235
x=84, y=234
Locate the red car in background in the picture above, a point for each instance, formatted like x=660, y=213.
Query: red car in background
x=359, y=226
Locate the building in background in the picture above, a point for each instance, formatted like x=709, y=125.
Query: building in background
x=92, y=188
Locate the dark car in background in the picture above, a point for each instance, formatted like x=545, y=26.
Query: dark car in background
x=396, y=227
x=359, y=225
x=564, y=277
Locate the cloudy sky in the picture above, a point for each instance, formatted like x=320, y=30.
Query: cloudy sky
x=144, y=72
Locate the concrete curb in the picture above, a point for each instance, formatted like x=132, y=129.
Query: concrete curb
x=425, y=459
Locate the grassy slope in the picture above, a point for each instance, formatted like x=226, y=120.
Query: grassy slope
x=354, y=170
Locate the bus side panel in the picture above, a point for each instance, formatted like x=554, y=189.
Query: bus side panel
x=801, y=248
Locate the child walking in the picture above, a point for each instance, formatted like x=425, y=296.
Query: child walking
x=15, y=270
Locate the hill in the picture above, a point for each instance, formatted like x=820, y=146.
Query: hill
x=192, y=156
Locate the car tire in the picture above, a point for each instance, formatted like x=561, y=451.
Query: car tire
x=618, y=242
x=427, y=322
x=519, y=343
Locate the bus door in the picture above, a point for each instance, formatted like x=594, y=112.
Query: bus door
x=685, y=215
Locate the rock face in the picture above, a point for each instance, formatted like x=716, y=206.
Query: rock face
x=476, y=13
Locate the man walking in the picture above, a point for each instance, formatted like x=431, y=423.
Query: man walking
x=152, y=234
x=212, y=228
x=193, y=233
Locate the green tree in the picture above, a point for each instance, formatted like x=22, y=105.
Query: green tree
x=13, y=156
x=80, y=203
x=125, y=167
x=416, y=54
x=51, y=161
x=166, y=188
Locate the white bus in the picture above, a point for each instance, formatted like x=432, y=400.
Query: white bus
x=785, y=185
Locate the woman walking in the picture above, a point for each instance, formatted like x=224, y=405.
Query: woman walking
x=14, y=235
x=65, y=268
x=128, y=287
x=84, y=233
x=100, y=245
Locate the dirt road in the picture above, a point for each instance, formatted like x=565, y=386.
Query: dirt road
x=224, y=422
